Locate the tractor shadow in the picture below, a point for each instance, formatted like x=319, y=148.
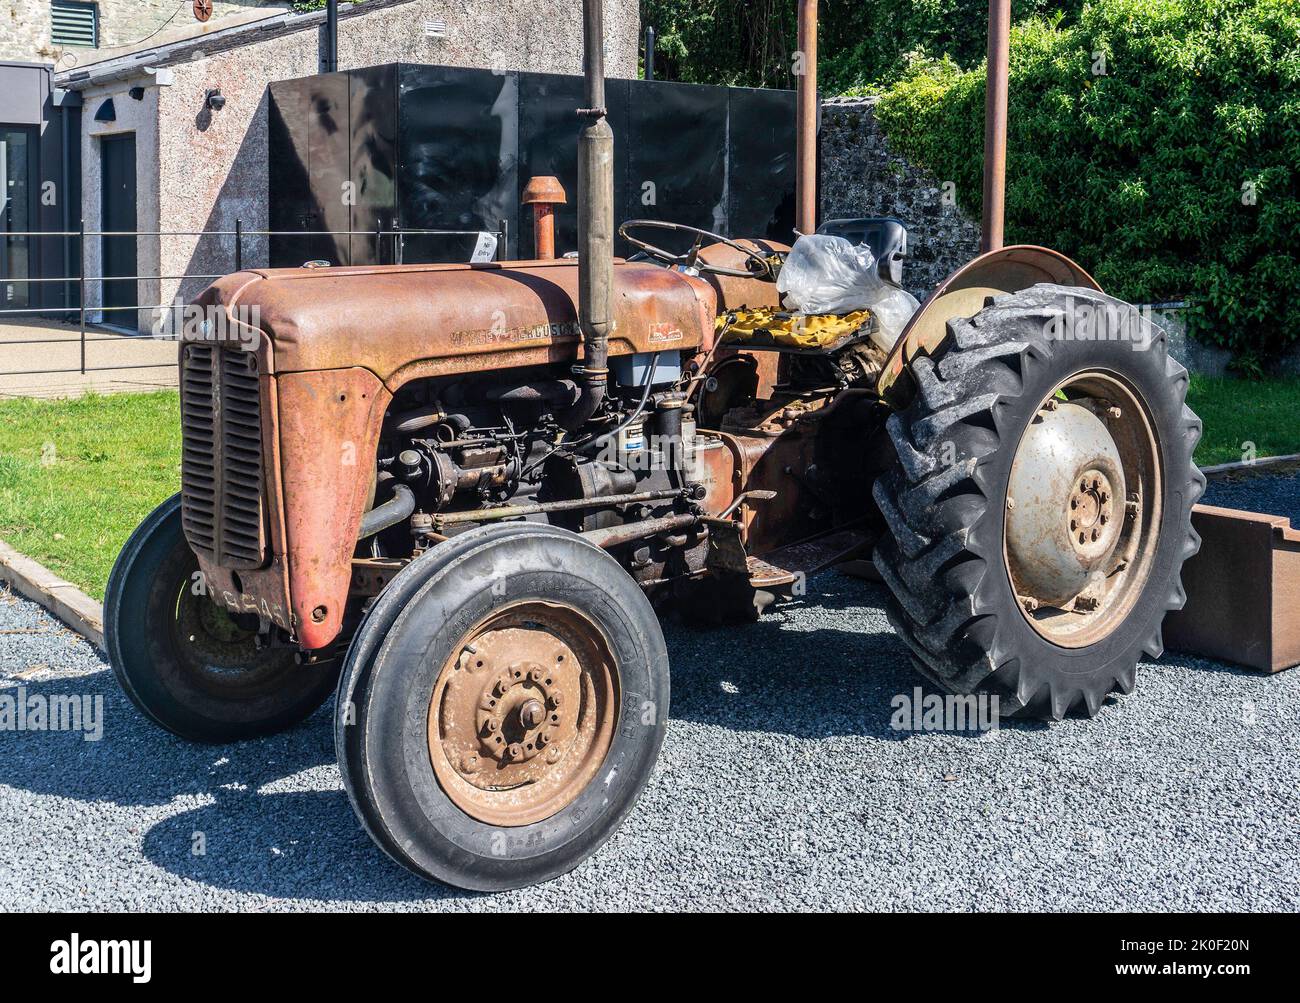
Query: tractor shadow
x=270, y=817
x=267, y=817
x=824, y=665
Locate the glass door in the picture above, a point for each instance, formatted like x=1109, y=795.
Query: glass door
x=17, y=213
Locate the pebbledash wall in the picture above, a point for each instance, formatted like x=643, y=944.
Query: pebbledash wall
x=26, y=26
x=201, y=169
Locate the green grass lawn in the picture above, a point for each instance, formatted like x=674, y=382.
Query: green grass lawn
x=77, y=476
x=1237, y=412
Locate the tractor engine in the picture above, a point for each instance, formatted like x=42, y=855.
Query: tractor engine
x=470, y=449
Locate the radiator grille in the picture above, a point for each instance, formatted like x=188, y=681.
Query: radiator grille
x=221, y=458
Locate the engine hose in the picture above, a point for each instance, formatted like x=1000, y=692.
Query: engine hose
x=645, y=397
x=582, y=444
x=397, y=509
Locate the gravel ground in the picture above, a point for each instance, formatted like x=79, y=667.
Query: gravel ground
x=781, y=786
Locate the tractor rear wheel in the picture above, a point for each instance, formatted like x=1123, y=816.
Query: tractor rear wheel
x=502, y=707
x=1040, y=511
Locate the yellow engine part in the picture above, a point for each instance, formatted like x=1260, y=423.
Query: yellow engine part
x=766, y=326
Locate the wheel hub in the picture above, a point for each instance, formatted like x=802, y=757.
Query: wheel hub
x=1093, y=530
x=523, y=715
x=519, y=711
x=1082, y=509
x=1060, y=525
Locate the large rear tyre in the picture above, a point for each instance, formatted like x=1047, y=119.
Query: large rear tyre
x=502, y=707
x=1040, y=512
x=187, y=664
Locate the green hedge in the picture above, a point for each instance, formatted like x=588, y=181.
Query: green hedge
x=863, y=43
x=1144, y=172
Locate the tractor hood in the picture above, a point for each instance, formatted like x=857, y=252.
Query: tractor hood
x=404, y=322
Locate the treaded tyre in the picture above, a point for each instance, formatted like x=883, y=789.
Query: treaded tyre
x=187, y=664
x=1040, y=511
x=502, y=707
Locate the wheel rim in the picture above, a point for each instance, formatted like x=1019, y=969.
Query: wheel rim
x=217, y=653
x=523, y=713
x=1083, y=509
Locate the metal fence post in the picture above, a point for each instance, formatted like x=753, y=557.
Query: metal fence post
x=503, y=252
x=239, y=245
x=81, y=286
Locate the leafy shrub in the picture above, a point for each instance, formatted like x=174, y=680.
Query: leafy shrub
x=1156, y=141
x=863, y=43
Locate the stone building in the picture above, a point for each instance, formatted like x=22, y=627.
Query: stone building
x=68, y=33
x=177, y=132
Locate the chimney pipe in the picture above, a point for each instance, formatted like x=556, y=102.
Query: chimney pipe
x=806, y=142
x=595, y=222
x=995, y=125
x=332, y=36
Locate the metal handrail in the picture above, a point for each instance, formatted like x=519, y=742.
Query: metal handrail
x=248, y=233
x=238, y=233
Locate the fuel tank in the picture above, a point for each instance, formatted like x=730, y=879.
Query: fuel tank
x=404, y=322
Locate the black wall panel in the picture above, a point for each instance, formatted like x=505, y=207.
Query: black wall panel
x=443, y=148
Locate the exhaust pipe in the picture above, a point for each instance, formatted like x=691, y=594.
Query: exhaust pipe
x=595, y=223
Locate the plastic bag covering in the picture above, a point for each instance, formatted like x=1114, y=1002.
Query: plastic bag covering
x=765, y=326
x=828, y=275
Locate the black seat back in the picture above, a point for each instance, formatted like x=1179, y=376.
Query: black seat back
x=885, y=235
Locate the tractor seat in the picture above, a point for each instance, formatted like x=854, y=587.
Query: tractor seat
x=885, y=235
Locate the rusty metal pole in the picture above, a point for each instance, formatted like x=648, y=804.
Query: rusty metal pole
x=995, y=125
x=806, y=149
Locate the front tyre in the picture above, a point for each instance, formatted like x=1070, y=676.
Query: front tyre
x=502, y=707
x=1040, y=512
x=187, y=664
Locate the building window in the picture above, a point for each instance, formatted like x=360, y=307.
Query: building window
x=74, y=23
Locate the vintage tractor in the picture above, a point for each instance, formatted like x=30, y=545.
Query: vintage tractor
x=456, y=495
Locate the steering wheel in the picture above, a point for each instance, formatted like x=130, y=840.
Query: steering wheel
x=757, y=266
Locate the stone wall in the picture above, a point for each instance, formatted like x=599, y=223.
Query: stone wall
x=861, y=177
x=25, y=26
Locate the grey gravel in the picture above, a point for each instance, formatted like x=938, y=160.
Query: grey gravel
x=781, y=786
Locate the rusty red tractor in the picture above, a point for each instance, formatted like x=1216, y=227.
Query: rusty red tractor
x=458, y=496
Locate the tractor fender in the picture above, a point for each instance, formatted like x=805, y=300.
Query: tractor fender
x=962, y=294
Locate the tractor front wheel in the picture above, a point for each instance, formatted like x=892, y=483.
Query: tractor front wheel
x=1040, y=509
x=502, y=707
x=185, y=662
